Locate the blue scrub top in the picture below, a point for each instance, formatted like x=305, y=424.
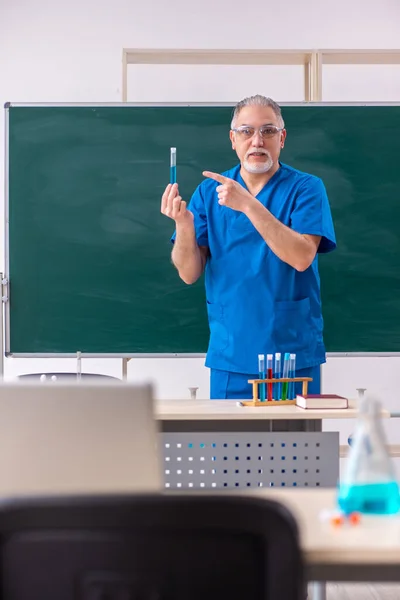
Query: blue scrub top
x=258, y=304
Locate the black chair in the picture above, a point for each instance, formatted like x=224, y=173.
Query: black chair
x=159, y=547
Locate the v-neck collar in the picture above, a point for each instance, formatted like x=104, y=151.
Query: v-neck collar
x=274, y=176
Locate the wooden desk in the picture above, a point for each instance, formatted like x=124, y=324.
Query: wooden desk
x=219, y=444
x=375, y=542
x=369, y=551
x=227, y=415
x=205, y=410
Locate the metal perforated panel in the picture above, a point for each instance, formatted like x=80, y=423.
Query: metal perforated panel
x=243, y=460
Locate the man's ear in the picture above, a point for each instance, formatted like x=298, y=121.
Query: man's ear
x=232, y=138
x=283, y=138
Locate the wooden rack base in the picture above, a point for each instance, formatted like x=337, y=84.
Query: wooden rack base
x=267, y=403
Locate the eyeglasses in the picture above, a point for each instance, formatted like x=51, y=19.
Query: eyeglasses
x=266, y=131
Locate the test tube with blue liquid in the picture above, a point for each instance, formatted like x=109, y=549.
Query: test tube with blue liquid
x=261, y=375
x=277, y=375
x=172, y=168
x=292, y=375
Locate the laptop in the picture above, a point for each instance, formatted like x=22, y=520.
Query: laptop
x=77, y=438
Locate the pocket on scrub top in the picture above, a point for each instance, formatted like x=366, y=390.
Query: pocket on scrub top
x=219, y=338
x=292, y=330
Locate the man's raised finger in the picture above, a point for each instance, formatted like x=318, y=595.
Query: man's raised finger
x=173, y=192
x=216, y=176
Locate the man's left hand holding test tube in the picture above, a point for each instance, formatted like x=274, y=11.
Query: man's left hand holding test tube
x=172, y=204
x=187, y=256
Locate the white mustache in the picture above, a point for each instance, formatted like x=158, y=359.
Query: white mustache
x=258, y=151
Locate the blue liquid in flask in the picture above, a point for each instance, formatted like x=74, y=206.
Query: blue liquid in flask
x=369, y=498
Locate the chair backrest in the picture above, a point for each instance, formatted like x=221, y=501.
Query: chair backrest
x=77, y=438
x=69, y=377
x=158, y=547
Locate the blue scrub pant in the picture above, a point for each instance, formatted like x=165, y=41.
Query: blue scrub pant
x=235, y=386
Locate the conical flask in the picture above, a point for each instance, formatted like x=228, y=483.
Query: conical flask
x=369, y=484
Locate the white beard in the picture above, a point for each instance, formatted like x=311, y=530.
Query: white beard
x=263, y=167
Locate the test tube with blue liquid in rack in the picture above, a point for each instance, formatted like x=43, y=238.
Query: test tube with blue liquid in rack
x=292, y=375
x=261, y=375
x=172, y=169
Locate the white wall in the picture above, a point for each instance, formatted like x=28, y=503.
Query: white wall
x=71, y=51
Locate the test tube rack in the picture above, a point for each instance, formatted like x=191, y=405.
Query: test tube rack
x=267, y=403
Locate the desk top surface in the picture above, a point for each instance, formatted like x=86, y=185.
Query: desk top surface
x=376, y=540
x=214, y=410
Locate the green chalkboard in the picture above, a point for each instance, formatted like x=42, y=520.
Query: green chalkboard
x=89, y=252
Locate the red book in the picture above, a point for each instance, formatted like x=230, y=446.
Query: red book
x=322, y=401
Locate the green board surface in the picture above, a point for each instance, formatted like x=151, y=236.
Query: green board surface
x=89, y=252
